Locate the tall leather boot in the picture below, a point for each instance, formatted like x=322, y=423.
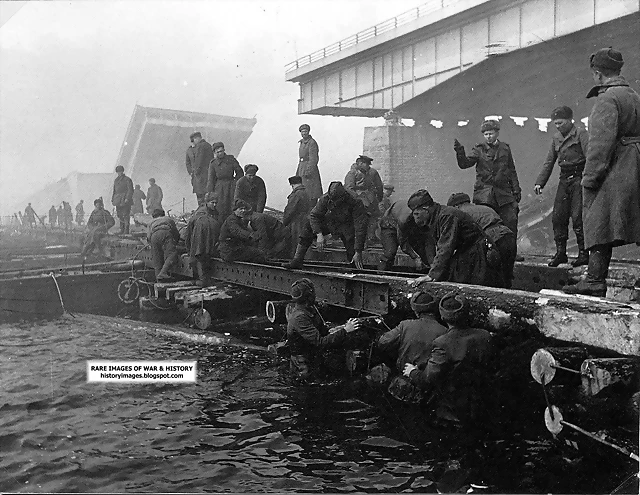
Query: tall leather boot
x=298, y=258
x=596, y=282
x=583, y=255
x=121, y=226
x=561, y=254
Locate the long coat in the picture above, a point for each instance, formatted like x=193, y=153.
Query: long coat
x=223, y=175
x=296, y=212
x=138, y=196
x=154, y=198
x=122, y=191
x=611, y=177
x=253, y=191
x=366, y=186
x=309, y=154
x=203, y=231
x=496, y=178
x=202, y=156
x=346, y=217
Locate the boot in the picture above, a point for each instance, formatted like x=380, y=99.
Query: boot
x=583, y=255
x=121, y=226
x=596, y=282
x=561, y=254
x=298, y=259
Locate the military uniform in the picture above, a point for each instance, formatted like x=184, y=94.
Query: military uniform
x=273, y=237
x=223, y=175
x=237, y=241
x=99, y=223
x=253, y=191
x=53, y=215
x=201, y=241
x=79, y=214
x=202, y=156
x=122, y=199
x=138, y=196
x=309, y=157
x=296, y=212
x=163, y=236
x=154, y=198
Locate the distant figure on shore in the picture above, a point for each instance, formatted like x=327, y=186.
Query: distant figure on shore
x=296, y=211
x=309, y=154
x=53, y=216
x=68, y=215
x=224, y=172
x=138, y=196
x=163, y=236
x=154, y=196
x=252, y=189
x=30, y=215
x=60, y=215
x=80, y=212
x=199, y=157
x=99, y=223
x=122, y=199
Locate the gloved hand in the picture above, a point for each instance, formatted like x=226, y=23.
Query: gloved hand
x=457, y=146
x=537, y=189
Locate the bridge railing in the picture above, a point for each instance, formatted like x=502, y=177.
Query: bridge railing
x=369, y=33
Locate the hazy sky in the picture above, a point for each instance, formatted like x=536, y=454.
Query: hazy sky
x=71, y=73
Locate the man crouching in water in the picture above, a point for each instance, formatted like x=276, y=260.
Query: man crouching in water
x=307, y=333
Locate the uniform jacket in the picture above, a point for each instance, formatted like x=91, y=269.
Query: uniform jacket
x=296, y=211
x=570, y=153
x=308, y=167
x=611, y=177
x=366, y=186
x=411, y=341
x=455, y=232
x=138, y=196
x=487, y=218
x=496, y=178
x=457, y=371
x=122, y=191
x=102, y=219
x=202, y=156
x=223, y=174
x=80, y=209
x=190, y=161
x=235, y=231
x=307, y=333
x=203, y=231
x=252, y=191
x=163, y=224
x=346, y=215
x=269, y=230
x=154, y=197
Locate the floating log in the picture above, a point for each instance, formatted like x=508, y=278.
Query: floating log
x=598, y=374
x=546, y=361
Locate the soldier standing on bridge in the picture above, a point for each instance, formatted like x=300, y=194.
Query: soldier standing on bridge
x=30, y=215
x=611, y=177
x=309, y=154
x=296, y=211
x=154, y=196
x=53, y=216
x=568, y=148
x=138, y=196
x=497, y=183
x=197, y=162
x=224, y=172
x=122, y=198
x=80, y=212
x=201, y=239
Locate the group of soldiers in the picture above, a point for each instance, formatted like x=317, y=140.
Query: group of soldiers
x=61, y=217
x=127, y=200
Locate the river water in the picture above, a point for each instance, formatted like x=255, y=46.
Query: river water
x=243, y=427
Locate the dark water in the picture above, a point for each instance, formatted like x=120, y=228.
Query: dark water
x=241, y=428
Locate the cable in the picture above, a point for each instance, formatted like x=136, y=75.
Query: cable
x=64, y=311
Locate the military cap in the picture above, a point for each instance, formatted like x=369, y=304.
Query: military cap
x=296, y=179
x=250, y=166
x=303, y=290
x=158, y=212
x=119, y=168
x=606, y=58
x=217, y=145
x=454, y=308
x=563, y=112
x=304, y=126
x=365, y=159
x=241, y=203
x=423, y=302
x=420, y=198
x=210, y=196
x=336, y=189
x=98, y=201
x=490, y=125
x=195, y=135
x=458, y=198
x=389, y=187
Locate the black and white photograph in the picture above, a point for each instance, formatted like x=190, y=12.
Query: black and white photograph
x=320, y=246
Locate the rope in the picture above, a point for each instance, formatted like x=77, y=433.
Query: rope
x=64, y=311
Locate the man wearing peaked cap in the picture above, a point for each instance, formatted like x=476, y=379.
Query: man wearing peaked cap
x=568, y=148
x=460, y=397
x=365, y=184
x=122, y=199
x=199, y=155
x=497, y=182
x=611, y=177
x=252, y=188
x=223, y=174
x=309, y=156
x=411, y=341
x=296, y=211
x=337, y=213
x=238, y=241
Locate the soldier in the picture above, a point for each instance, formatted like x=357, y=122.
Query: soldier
x=457, y=375
x=460, y=243
x=497, y=183
x=364, y=183
x=138, y=196
x=199, y=168
x=306, y=332
x=273, y=237
x=53, y=216
x=163, y=236
x=568, y=148
x=309, y=154
x=99, y=223
x=224, y=172
x=411, y=341
x=154, y=196
x=611, y=177
x=80, y=212
x=60, y=215
x=201, y=239
x=190, y=161
x=30, y=215
x=68, y=215
x=385, y=202
x=296, y=211
x=251, y=188
x=122, y=199
x=237, y=239
x=497, y=232
x=337, y=213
